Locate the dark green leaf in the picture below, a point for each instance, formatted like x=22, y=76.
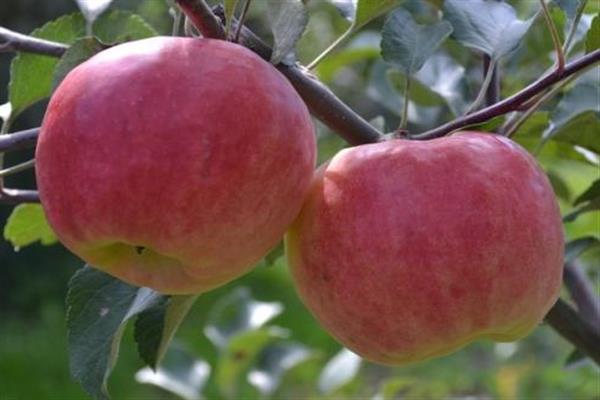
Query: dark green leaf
x=575, y=359
x=26, y=225
x=273, y=362
x=236, y=313
x=407, y=45
x=593, y=192
x=592, y=40
x=340, y=370
x=98, y=307
x=593, y=205
x=156, y=326
x=489, y=26
x=568, y=6
x=575, y=248
x=559, y=185
x=288, y=20
x=80, y=51
x=180, y=373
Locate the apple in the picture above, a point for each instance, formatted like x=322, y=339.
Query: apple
x=174, y=163
x=407, y=250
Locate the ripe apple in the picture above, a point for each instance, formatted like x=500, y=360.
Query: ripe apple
x=174, y=163
x=407, y=250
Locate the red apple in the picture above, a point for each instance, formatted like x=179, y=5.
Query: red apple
x=407, y=250
x=174, y=163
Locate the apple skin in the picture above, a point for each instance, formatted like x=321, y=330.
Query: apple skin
x=174, y=163
x=408, y=250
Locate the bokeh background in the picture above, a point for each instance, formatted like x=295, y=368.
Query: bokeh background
x=33, y=280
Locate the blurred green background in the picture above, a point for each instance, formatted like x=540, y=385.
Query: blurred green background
x=33, y=280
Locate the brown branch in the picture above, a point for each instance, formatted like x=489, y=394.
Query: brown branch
x=17, y=196
x=582, y=293
x=513, y=102
x=14, y=41
x=565, y=320
x=19, y=140
x=203, y=18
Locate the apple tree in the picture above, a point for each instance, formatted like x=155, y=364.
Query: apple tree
x=456, y=199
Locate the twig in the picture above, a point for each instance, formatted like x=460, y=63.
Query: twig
x=203, y=18
x=583, y=295
x=404, y=117
x=313, y=64
x=560, y=55
x=17, y=196
x=513, y=102
x=573, y=29
x=242, y=19
x=17, y=168
x=19, y=140
x=565, y=320
x=18, y=42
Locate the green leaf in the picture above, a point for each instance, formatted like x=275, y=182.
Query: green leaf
x=559, y=185
x=26, y=225
x=340, y=370
x=593, y=192
x=181, y=373
x=156, y=326
x=346, y=8
x=273, y=362
x=98, y=307
x=78, y=52
x=592, y=40
x=363, y=47
x=92, y=9
x=288, y=20
x=31, y=75
x=240, y=353
x=488, y=26
x=577, y=247
x=568, y=6
x=590, y=206
x=407, y=45
x=576, y=118
x=389, y=388
x=367, y=10
x=236, y=313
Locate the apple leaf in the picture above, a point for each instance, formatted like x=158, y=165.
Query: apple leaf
x=560, y=187
x=288, y=20
x=236, y=313
x=26, y=225
x=576, y=359
x=486, y=25
x=407, y=45
x=340, y=370
x=367, y=10
x=180, y=373
x=576, y=118
x=92, y=9
x=575, y=248
x=31, y=75
x=273, y=362
x=391, y=387
x=589, y=206
x=81, y=50
x=592, y=40
x=156, y=326
x=591, y=193
x=346, y=8
x=98, y=307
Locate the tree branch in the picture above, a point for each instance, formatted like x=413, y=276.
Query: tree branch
x=19, y=140
x=582, y=294
x=203, y=18
x=17, y=196
x=565, y=320
x=513, y=102
x=14, y=41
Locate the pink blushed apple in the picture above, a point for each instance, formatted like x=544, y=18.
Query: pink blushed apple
x=174, y=163
x=408, y=250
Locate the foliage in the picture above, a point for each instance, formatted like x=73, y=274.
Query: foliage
x=258, y=340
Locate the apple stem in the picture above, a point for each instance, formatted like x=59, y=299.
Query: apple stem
x=492, y=95
x=483, y=91
x=405, y=102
